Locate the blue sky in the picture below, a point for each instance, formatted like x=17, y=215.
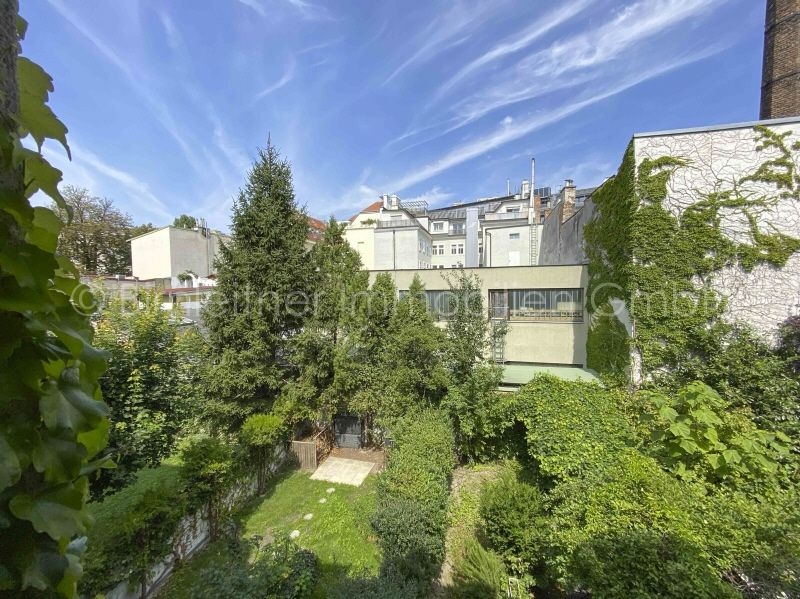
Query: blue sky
x=166, y=102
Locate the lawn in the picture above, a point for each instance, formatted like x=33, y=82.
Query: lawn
x=338, y=532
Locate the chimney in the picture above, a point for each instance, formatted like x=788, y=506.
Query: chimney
x=394, y=201
x=568, y=200
x=385, y=199
x=780, y=79
x=525, y=190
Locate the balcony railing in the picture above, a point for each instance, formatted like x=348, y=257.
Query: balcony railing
x=536, y=314
x=397, y=223
x=506, y=215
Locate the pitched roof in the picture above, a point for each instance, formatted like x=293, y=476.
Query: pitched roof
x=315, y=228
x=374, y=207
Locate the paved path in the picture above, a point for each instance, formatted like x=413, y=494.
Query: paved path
x=343, y=471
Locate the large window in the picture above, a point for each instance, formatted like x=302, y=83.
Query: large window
x=457, y=229
x=564, y=305
x=439, y=302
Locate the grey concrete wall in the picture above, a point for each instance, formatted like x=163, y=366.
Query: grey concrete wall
x=501, y=250
x=562, y=242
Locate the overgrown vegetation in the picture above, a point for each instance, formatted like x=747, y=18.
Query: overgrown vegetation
x=646, y=495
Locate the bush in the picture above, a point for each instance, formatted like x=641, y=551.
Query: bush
x=208, y=468
x=262, y=433
x=411, y=536
x=515, y=522
x=479, y=574
x=280, y=570
x=572, y=426
x=628, y=508
x=134, y=529
x=695, y=434
x=410, y=519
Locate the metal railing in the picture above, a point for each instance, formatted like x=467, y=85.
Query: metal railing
x=397, y=223
x=507, y=215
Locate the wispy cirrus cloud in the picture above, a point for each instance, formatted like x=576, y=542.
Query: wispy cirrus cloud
x=432, y=197
x=285, y=78
x=445, y=31
x=504, y=134
x=136, y=187
x=515, y=43
x=154, y=103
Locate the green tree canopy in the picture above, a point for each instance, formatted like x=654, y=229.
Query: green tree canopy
x=95, y=237
x=262, y=293
x=184, y=221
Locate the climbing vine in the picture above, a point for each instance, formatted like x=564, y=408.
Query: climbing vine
x=661, y=265
x=53, y=424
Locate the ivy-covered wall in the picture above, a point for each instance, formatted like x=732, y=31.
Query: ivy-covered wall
x=697, y=232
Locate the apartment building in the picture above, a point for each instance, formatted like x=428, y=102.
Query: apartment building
x=391, y=234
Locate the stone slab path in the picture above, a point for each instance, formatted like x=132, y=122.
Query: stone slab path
x=343, y=471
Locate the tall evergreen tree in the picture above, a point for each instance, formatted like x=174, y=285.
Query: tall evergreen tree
x=339, y=287
x=261, y=297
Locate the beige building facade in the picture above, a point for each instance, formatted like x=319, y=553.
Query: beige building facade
x=542, y=307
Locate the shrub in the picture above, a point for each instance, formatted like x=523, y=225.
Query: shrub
x=134, y=529
x=696, y=435
x=572, y=426
x=513, y=512
x=628, y=508
x=280, y=570
x=410, y=519
x=411, y=536
x=208, y=469
x=262, y=433
x=479, y=574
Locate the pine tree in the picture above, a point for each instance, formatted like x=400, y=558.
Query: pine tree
x=262, y=293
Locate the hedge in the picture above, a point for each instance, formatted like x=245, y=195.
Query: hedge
x=410, y=519
x=133, y=529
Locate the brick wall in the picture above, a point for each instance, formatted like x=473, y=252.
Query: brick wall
x=780, y=84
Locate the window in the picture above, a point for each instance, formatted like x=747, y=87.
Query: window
x=513, y=209
x=438, y=249
x=513, y=235
x=564, y=305
x=457, y=229
x=438, y=227
x=456, y=248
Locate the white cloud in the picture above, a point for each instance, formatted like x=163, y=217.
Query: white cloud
x=519, y=41
x=137, y=188
x=156, y=106
x=432, y=197
x=503, y=135
x=445, y=31
x=255, y=5
x=580, y=58
x=288, y=75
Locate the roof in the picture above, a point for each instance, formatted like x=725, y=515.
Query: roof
x=374, y=207
x=782, y=121
x=315, y=228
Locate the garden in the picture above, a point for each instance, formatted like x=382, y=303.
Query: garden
x=136, y=453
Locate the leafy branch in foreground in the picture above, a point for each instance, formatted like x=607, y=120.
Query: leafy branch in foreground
x=53, y=424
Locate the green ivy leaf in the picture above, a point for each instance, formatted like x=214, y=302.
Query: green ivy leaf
x=58, y=456
x=68, y=405
x=58, y=512
x=40, y=175
x=46, y=226
x=35, y=116
x=10, y=470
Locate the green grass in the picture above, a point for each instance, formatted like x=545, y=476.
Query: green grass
x=339, y=532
